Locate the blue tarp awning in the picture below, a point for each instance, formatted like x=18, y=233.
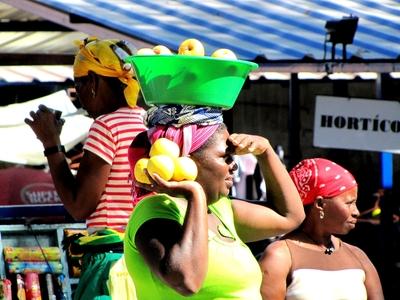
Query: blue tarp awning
x=273, y=29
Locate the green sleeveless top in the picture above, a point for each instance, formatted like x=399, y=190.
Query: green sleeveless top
x=233, y=272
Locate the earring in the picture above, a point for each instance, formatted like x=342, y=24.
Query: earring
x=93, y=93
x=127, y=67
x=321, y=214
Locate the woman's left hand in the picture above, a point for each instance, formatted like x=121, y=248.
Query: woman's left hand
x=186, y=188
x=47, y=124
x=246, y=143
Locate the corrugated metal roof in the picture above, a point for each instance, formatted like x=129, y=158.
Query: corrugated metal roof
x=34, y=42
x=39, y=73
x=38, y=42
x=276, y=29
x=8, y=12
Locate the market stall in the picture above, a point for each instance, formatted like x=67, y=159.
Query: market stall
x=33, y=219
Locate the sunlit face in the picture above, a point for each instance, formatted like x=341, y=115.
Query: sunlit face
x=341, y=212
x=216, y=167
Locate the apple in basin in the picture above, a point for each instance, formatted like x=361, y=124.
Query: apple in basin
x=161, y=49
x=191, y=47
x=145, y=51
x=224, y=53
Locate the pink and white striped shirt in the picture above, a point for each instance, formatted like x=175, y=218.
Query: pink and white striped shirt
x=109, y=138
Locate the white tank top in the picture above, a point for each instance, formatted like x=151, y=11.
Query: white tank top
x=318, y=276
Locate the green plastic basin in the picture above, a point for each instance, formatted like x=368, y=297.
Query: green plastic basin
x=190, y=80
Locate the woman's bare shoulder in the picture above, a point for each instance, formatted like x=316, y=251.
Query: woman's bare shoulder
x=358, y=252
x=275, y=262
x=276, y=250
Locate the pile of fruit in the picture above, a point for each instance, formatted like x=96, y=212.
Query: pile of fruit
x=188, y=47
x=165, y=161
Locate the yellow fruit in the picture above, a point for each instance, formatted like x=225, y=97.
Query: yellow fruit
x=138, y=171
x=166, y=147
x=160, y=49
x=191, y=47
x=376, y=212
x=224, y=53
x=185, y=169
x=163, y=165
x=145, y=51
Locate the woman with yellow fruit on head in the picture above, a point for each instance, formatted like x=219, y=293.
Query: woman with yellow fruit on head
x=187, y=238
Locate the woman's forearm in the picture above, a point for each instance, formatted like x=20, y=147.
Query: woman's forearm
x=80, y=194
x=64, y=182
x=188, y=259
x=284, y=193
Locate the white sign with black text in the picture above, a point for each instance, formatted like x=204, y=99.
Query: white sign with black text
x=358, y=124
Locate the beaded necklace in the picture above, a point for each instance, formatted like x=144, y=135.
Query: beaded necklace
x=328, y=250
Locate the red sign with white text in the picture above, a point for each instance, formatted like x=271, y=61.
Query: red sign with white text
x=26, y=186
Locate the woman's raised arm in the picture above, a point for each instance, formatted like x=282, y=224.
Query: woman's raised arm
x=255, y=222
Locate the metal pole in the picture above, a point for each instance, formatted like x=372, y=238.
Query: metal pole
x=294, y=122
x=387, y=230
x=344, y=52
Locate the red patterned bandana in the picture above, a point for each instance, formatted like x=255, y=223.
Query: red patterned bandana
x=320, y=177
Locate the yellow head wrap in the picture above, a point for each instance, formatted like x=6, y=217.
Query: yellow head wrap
x=100, y=56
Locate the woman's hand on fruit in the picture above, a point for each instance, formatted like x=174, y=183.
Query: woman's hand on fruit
x=185, y=188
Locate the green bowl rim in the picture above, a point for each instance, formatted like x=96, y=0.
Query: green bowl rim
x=251, y=64
x=243, y=65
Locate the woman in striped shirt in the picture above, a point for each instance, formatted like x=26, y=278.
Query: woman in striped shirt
x=100, y=193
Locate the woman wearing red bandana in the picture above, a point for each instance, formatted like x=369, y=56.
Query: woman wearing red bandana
x=312, y=262
x=187, y=238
